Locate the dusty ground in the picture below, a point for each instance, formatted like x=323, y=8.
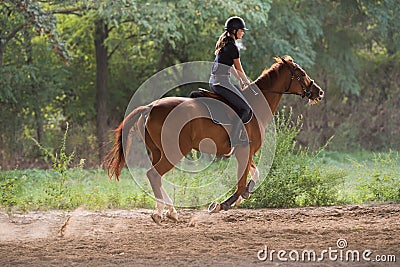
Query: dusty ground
x=233, y=238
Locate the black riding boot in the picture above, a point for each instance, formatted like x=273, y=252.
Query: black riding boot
x=238, y=135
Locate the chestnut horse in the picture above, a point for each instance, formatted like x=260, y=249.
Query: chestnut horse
x=284, y=77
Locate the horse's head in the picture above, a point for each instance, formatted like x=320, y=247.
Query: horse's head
x=300, y=83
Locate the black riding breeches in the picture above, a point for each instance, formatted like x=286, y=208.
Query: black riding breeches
x=222, y=86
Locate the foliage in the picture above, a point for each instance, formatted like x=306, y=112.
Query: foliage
x=17, y=16
x=295, y=178
x=9, y=188
x=48, y=76
x=290, y=29
x=350, y=48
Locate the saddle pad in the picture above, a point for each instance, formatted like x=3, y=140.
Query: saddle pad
x=219, y=110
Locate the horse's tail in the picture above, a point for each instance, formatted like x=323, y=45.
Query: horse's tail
x=115, y=159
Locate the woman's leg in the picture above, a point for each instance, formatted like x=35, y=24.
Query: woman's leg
x=242, y=109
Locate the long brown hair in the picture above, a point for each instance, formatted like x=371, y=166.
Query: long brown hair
x=222, y=41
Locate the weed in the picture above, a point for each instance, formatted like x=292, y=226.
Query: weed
x=57, y=192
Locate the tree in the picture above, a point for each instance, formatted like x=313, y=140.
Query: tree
x=349, y=47
x=355, y=35
x=19, y=17
x=124, y=18
x=21, y=95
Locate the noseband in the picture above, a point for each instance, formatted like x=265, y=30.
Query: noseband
x=306, y=88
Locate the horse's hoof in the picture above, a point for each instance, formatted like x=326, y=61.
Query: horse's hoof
x=225, y=206
x=172, y=216
x=239, y=200
x=214, y=207
x=156, y=218
x=246, y=195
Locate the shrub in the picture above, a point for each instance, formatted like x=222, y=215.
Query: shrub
x=295, y=178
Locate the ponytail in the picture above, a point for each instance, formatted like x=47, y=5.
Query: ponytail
x=222, y=41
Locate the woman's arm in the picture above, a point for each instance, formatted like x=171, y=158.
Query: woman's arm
x=235, y=73
x=240, y=72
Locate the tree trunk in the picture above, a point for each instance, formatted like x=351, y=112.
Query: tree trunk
x=101, y=33
x=36, y=108
x=325, y=126
x=2, y=50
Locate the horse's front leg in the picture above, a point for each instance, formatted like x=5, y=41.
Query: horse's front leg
x=255, y=174
x=244, y=162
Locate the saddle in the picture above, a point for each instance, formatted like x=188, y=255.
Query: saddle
x=221, y=113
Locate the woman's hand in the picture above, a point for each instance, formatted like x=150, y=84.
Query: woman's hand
x=244, y=83
x=240, y=72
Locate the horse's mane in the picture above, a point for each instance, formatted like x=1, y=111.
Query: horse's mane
x=268, y=75
x=278, y=61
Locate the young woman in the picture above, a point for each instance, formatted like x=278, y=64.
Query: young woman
x=227, y=62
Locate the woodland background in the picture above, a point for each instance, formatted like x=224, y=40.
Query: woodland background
x=81, y=61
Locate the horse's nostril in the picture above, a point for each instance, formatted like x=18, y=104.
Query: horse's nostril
x=321, y=93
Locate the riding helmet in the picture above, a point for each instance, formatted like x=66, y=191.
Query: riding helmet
x=235, y=23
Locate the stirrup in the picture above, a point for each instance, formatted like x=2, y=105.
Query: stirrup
x=240, y=142
x=241, y=139
x=234, y=147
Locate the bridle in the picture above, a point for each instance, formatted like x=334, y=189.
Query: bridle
x=306, y=88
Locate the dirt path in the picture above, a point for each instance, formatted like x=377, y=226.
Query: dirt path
x=238, y=237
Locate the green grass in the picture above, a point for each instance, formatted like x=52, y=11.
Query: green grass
x=332, y=179
x=370, y=177
x=35, y=189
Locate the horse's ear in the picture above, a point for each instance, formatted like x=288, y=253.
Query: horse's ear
x=278, y=59
x=283, y=59
x=288, y=58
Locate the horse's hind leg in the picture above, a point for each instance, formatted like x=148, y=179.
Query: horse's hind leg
x=152, y=149
x=161, y=167
x=155, y=178
x=162, y=199
x=172, y=213
x=155, y=181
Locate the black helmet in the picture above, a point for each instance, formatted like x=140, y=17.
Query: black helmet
x=235, y=23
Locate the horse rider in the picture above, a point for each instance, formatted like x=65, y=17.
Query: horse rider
x=227, y=62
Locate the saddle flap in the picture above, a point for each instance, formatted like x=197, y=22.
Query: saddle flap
x=220, y=114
